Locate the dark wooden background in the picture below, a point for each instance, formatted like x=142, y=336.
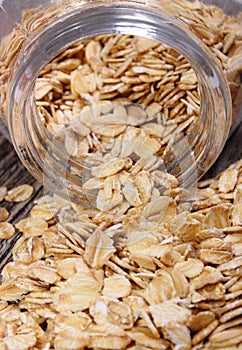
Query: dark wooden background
x=13, y=173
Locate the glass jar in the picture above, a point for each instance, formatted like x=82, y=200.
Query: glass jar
x=54, y=26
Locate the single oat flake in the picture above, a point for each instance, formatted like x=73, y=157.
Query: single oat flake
x=19, y=194
x=7, y=230
x=4, y=214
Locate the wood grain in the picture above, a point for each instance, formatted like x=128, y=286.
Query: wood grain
x=13, y=173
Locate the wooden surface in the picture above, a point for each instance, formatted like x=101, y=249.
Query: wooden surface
x=13, y=173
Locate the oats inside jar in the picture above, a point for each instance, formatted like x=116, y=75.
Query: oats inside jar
x=116, y=103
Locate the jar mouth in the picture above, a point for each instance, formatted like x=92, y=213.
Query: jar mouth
x=43, y=157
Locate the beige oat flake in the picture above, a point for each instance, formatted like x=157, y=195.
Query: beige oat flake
x=169, y=312
x=116, y=286
x=4, y=214
x=227, y=181
x=99, y=248
x=32, y=226
x=190, y=268
x=20, y=341
x=19, y=194
x=7, y=230
x=76, y=293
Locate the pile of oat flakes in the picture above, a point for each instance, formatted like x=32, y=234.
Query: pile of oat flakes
x=153, y=266
x=85, y=279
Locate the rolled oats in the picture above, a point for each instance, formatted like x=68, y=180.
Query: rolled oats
x=237, y=208
x=179, y=335
x=19, y=194
x=230, y=315
x=29, y=250
x=228, y=180
x=44, y=273
x=146, y=339
x=144, y=270
x=76, y=293
x=236, y=286
x=200, y=320
x=186, y=227
x=191, y=267
x=160, y=289
x=107, y=73
x=116, y=286
x=20, y=341
x=169, y=313
x=107, y=337
x=113, y=311
x=7, y=230
x=4, y=214
x=218, y=216
x=11, y=293
x=204, y=332
x=226, y=338
x=215, y=251
x=45, y=211
x=32, y=226
x=99, y=248
x=227, y=325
